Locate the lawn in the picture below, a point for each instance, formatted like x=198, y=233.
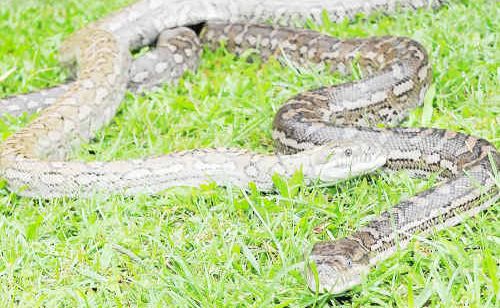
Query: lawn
x=213, y=246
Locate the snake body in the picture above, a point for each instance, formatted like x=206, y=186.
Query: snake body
x=328, y=132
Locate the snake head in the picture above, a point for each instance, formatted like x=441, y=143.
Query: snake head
x=340, y=160
x=336, y=266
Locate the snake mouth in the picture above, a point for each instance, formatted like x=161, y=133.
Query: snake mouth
x=333, y=174
x=323, y=276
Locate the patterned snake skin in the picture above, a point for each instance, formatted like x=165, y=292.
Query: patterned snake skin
x=328, y=132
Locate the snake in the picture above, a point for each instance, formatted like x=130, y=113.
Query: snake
x=329, y=133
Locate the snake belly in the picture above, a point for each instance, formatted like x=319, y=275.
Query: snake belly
x=314, y=130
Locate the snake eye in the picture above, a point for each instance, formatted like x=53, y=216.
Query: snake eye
x=349, y=262
x=348, y=152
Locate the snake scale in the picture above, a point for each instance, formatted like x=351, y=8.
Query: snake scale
x=330, y=133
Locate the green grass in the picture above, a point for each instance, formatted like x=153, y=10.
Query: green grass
x=215, y=246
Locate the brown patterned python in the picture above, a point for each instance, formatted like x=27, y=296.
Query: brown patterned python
x=328, y=132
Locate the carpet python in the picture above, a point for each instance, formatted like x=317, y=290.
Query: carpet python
x=330, y=133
